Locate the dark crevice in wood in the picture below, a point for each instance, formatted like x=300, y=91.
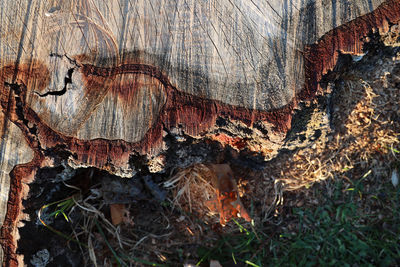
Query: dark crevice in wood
x=67, y=80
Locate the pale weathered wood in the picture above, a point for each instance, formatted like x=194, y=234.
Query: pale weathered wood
x=159, y=62
x=13, y=150
x=243, y=53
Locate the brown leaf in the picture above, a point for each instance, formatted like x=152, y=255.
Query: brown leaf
x=227, y=202
x=117, y=213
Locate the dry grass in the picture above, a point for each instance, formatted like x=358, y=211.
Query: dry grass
x=101, y=242
x=192, y=187
x=365, y=133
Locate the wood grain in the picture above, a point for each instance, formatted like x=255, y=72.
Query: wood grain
x=102, y=79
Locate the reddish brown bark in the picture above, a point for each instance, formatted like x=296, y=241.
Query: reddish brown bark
x=348, y=38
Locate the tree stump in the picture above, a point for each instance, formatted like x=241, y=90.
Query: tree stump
x=97, y=83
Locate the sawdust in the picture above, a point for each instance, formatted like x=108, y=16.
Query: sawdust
x=363, y=107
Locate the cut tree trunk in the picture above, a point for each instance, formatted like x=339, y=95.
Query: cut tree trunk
x=101, y=81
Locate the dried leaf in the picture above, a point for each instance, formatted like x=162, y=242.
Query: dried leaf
x=210, y=186
x=117, y=213
x=227, y=202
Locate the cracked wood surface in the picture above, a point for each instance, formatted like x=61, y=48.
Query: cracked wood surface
x=76, y=74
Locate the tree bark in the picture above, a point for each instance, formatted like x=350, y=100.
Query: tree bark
x=104, y=80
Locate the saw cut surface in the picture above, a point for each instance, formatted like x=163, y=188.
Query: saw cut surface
x=98, y=83
x=241, y=53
